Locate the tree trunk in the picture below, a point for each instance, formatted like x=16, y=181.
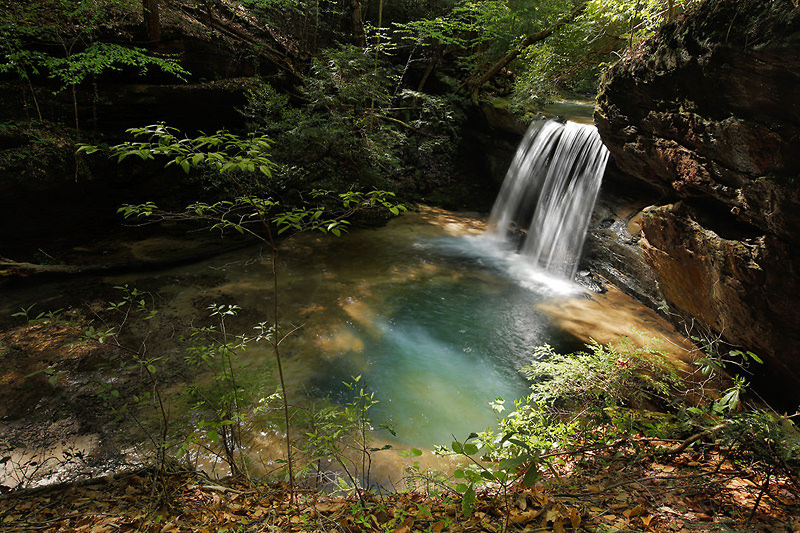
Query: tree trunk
x=529, y=40
x=437, y=56
x=152, y=23
x=359, y=38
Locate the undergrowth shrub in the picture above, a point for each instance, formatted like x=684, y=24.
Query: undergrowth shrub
x=601, y=377
x=606, y=398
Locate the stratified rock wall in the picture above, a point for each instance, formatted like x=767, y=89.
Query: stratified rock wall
x=708, y=112
x=744, y=288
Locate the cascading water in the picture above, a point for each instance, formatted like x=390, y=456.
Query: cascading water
x=549, y=192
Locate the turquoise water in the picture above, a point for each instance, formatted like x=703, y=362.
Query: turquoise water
x=437, y=325
x=445, y=352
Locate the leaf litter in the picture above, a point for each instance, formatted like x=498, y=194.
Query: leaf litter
x=635, y=487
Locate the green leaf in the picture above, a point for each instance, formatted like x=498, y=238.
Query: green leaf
x=531, y=475
x=512, y=463
x=468, y=501
x=470, y=449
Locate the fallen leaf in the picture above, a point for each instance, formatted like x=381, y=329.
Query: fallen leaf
x=169, y=527
x=647, y=519
x=633, y=513
x=541, y=497
x=405, y=527
x=330, y=507
x=525, y=517
x=552, y=515
x=521, y=501
x=574, y=518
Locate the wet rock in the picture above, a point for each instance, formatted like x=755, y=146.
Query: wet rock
x=707, y=113
x=612, y=245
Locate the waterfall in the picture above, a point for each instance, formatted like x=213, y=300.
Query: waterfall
x=549, y=192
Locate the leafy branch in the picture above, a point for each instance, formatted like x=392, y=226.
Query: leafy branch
x=233, y=157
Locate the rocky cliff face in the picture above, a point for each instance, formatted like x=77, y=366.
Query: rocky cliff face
x=708, y=113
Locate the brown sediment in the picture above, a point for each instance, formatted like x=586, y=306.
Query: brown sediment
x=613, y=315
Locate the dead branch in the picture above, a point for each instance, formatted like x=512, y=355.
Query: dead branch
x=694, y=438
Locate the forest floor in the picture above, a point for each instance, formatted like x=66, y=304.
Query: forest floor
x=630, y=487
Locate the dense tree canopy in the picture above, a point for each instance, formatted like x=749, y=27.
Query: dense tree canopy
x=556, y=45
x=354, y=92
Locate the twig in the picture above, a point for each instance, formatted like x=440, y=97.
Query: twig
x=65, y=486
x=585, y=450
x=694, y=438
x=217, y=488
x=760, y=495
x=638, y=480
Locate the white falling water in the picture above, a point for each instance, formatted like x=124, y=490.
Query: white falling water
x=549, y=193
